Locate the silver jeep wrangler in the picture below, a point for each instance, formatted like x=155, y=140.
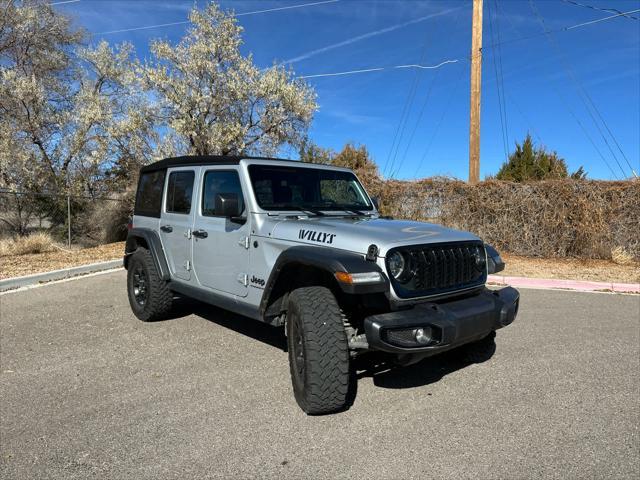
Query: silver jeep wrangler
x=303, y=246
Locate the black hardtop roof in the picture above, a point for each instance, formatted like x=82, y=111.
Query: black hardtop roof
x=195, y=160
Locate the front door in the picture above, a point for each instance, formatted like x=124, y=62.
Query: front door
x=220, y=245
x=176, y=221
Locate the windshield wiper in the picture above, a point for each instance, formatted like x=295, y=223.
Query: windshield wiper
x=303, y=209
x=357, y=212
x=313, y=209
x=317, y=210
x=354, y=211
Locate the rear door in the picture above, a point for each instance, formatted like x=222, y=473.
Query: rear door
x=220, y=246
x=176, y=220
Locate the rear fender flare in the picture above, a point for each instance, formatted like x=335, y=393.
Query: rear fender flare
x=151, y=240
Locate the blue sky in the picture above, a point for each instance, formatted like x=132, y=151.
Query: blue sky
x=547, y=84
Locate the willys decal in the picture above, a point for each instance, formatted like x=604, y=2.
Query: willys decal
x=313, y=236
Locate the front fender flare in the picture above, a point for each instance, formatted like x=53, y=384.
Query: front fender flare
x=329, y=260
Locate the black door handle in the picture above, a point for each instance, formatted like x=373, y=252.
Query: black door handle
x=166, y=228
x=200, y=234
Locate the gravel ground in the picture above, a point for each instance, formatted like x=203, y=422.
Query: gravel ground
x=89, y=391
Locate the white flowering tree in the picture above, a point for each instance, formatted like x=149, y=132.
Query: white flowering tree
x=73, y=120
x=68, y=114
x=79, y=120
x=214, y=100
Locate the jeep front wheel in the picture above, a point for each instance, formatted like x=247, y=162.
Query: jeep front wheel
x=149, y=296
x=318, y=351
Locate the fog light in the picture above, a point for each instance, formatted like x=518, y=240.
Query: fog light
x=423, y=335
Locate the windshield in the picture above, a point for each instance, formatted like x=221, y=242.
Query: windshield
x=295, y=188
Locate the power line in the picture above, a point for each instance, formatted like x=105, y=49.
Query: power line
x=135, y=29
x=404, y=126
x=452, y=94
x=572, y=2
x=406, y=107
x=379, y=69
x=623, y=14
x=524, y=116
x=63, y=2
x=495, y=69
x=365, y=36
x=582, y=93
x=415, y=127
x=575, y=117
x=392, y=171
x=493, y=44
x=561, y=29
x=500, y=70
x=289, y=7
x=184, y=22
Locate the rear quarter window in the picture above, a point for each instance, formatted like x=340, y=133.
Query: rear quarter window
x=149, y=196
x=179, y=192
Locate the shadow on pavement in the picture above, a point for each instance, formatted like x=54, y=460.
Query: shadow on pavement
x=262, y=332
x=380, y=367
x=385, y=373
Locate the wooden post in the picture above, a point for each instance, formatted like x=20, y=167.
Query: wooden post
x=68, y=220
x=476, y=77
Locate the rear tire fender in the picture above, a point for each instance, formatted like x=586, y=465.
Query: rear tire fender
x=149, y=296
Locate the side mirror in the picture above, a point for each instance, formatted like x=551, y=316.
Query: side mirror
x=376, y=202
x=228, y=205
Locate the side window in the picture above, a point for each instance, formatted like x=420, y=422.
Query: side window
x=179, y=190
x=216, y=182
x=149, y=196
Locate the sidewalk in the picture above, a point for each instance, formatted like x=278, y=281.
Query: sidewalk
x=552, y=283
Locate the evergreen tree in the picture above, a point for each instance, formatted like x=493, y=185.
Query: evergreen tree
x=529, y=162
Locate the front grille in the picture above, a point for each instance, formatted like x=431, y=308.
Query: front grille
x=440, y=268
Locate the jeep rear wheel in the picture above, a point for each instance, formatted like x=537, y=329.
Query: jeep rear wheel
x=318, y=351
x=149, y=296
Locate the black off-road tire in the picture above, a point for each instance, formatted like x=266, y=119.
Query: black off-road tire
x=480, y=351
x=156, y=301
x=318, y=351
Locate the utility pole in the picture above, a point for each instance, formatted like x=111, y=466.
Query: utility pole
x=476, y=77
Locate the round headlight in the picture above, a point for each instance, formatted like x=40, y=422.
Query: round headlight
x=399, y=267
x=396, y=264
x=480, y=261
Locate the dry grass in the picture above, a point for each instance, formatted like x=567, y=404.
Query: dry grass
x=620, y=256
x=19, y=265
x=571, y=269
x=39, y=242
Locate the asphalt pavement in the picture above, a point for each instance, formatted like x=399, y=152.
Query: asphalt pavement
x=87, y=390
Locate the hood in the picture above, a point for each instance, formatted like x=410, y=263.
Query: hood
x=356, y=234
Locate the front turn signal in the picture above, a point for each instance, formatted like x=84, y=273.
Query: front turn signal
x=359, y=278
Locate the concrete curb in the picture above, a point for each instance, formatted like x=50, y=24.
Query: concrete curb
x=579, y=285
x=17, y=282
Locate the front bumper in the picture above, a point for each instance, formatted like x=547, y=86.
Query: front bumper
x=449, y=324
